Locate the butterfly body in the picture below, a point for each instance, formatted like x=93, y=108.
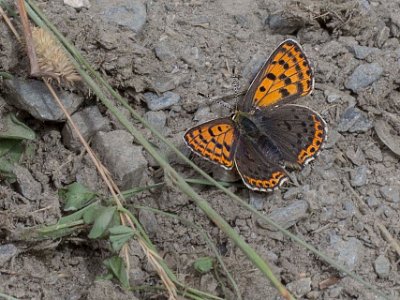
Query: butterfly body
x=266, y=133
x=254, y=128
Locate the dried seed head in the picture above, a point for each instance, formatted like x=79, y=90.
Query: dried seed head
x=52, y=58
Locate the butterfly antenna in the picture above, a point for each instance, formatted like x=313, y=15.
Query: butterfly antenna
x=225, y=104
x=236, y=87
x=236, y=93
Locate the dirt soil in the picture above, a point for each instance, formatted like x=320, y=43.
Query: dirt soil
x=351, y=191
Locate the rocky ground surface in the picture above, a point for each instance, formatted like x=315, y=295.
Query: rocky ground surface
x=172, y=60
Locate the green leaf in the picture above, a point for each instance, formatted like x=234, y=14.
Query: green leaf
x=6, y=75
x=93, y=213
x=58, y=231
x=15, y=129
x=76, y=196
x=119, y=235
x=78, y=215
x=204, y=264
x=10, y=154
x=102, y=222
x=7, y=145
x=12, y=133
x=116, y=266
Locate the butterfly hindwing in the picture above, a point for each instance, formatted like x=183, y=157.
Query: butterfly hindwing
x=214, y=140
x=257, y=171
x=286, y=75
x=297, y=131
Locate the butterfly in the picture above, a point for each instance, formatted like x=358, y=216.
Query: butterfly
x=267, y=133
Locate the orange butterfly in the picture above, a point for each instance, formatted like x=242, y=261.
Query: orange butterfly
x=266, y=133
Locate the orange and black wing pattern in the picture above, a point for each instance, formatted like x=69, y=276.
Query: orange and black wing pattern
x=286, y=75
x=214, y=140
x=297, y=131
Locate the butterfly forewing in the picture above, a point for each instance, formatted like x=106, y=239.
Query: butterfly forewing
x=286, y=75
x=214, y=140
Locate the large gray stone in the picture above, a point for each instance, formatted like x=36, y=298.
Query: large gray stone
x=34, y=97
x=363, y=76
x=361, y=52
x=123, y=159
x=156, y=119
x=7, y=251
x=155, y=102
x=164, y=51
x=347, y=253
x=89, y=121
x=390, y=193
x=283, y=23
x=354, y=120
x=127, y=13
x=359, y=176
x=287, y=216
x=26, y=184
x=382, y=266
x=300, y=287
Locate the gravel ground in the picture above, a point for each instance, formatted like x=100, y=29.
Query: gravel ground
x=172, y=60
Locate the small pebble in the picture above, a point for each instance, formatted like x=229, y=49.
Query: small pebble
x=163, y=52
x=165, y=83
x=284, y=24
x=292, y=193
x=127, y=13
x=363, y=76
x=204, y=114
x=77, y=3
x=331, y=98
x=359, y=176
x=287, y=216
x=356, y=157
x=156, y=119
x=333, y=137
x=122, y=158
x=372, y=202
x=348, y=253
x=191, y=55
x=374, y=153
x=26, y=184
x=257, y=200
x=149, y=221
x=7, y=251
x=334, y=292
x=89, y=121
x=350, y=208
x=300, y=287
x=382, y=36
x=333, y=49
x=382, y=266
x=361, y=52
x=354, y=120
x=155, y=102
x=390, y=193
